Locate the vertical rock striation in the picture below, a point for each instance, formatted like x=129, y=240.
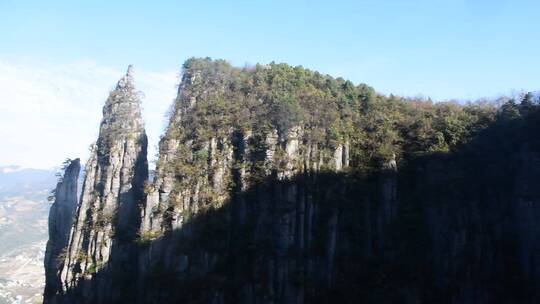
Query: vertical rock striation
x=107, y=219
x=254, y=201
x=254, y=205
x=61, y=217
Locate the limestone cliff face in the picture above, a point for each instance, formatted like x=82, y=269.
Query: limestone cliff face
x=244, y=214
x=266, y=206
x=107, y=218
x=254, y=192
x=253, y=215
x=61, y=217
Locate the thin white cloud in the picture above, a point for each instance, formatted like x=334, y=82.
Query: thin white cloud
x=52, y=111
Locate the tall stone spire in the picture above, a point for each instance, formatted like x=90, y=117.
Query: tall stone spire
x=108, y=216
x=127, y=80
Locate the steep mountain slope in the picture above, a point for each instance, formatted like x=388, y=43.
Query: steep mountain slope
x=277, y=184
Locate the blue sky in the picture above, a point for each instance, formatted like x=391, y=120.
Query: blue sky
x=444, y=49
x=441, y=49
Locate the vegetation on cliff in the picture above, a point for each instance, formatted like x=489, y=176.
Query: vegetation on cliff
x=277, y=184
x=329, y=111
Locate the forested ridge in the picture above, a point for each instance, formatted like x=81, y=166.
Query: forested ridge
x=333, y=110
x=277, y=184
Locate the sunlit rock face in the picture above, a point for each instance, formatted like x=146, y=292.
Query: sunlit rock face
x=107, y=218
x=261, y=202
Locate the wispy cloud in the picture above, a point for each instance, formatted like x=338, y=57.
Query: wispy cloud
x=52, y=111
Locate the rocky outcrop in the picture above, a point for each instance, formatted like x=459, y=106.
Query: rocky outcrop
x=252, y=203
x=107, y=218
x=253, y=200
x=61, y=217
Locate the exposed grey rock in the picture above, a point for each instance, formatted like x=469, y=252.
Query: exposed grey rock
x=252, y=215
x=338, y=158
x=107, y=219
x=292, y=155
x=61, y=216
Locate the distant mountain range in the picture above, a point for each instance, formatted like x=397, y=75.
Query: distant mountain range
x=23, y=232
x=15, y=181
